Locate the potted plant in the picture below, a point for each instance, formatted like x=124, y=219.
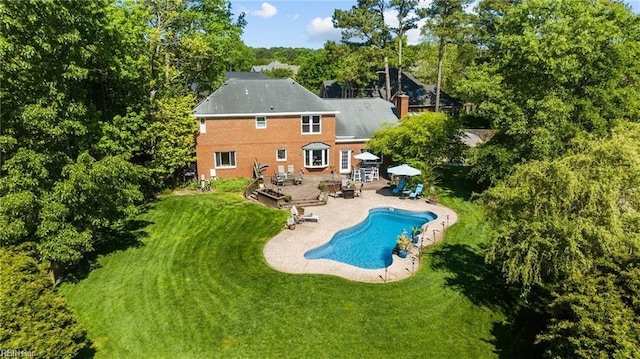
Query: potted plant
x=287, y=197
x=433, y=199
x=300, y=210
x=404, y=244
x=291, y=223
x=415, y=234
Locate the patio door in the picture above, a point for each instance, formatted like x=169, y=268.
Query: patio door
x=345, y=161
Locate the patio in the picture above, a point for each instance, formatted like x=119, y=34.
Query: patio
x=285, y=252
x=309, y=190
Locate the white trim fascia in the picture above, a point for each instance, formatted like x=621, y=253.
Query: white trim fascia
x=347, y=140
x=223, y=115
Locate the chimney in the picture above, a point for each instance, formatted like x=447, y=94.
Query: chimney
x=402, y=105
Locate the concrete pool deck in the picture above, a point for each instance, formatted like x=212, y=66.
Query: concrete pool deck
x=285, y=252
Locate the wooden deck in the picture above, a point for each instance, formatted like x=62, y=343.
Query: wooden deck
x=309, y=190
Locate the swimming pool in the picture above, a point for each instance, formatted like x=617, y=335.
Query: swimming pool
x=370, y=243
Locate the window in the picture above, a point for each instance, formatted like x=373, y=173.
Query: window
x=311, y=124
x=203, y=126
x=226, y=159
x=261, y=122
x=316, y=158
x=281, y=154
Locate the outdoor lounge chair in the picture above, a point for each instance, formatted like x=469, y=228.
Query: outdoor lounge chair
x=415, y=194
x=299, y=219
x=310, y=218
x=400, y=187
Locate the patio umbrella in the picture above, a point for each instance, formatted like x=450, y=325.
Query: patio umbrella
x=403, y=170
x=367, y=156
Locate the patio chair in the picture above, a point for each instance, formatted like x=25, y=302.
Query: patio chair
x=295, y=215
x=415, y=194
x=400, y=187
x=310, y=218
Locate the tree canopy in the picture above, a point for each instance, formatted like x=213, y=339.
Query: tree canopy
x=571, y=226
x=422, y=140
x=558, y=69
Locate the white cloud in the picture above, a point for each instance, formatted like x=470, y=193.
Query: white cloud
x=322, y=30
x=266, y=10
x=295, y=17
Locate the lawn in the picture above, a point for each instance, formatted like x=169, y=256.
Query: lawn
x=197, y=286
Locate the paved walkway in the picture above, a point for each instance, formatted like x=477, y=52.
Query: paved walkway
x=285, y=252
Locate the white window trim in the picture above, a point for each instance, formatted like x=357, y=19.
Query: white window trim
x=203, y=125
x=285, y=155
x=265, y=122
x=325, y=154
x=215, y=160
x=310, y=124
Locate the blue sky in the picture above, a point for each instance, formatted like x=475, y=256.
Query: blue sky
x=302, y=23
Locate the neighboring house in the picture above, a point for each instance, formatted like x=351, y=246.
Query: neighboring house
x=279, y=123
x=276, y=65
x=422, y=97
x=244, y=75
x=471, y=139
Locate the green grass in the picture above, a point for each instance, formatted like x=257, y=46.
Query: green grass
x=198, y=286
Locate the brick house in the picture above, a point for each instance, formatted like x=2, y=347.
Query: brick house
x=279, y=123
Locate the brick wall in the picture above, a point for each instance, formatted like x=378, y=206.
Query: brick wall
x=249, y=143
x=354, y=147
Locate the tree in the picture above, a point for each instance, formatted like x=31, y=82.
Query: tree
x=179, y=49
x=596, y=314
x=279, y=73
x=364, y=24
x=555, y=219
x=408, y=18
x=33, y=317
x=423, y=141
x=319, y=66
x=92, y=196
x=447, y=22
x=488, y=20
x=365, y=31
x=563, y=69
x=570, y=226
x=459, y=61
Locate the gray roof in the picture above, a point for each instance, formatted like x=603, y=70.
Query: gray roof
x=245, y=75
x=268, y=96
x=361, y=117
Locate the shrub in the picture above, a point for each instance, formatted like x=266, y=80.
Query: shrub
x=33, y=316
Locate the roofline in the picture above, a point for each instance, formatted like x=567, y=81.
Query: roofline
x=224, y=115
x=347, y=140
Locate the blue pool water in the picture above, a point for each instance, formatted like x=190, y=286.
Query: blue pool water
x=369, y=244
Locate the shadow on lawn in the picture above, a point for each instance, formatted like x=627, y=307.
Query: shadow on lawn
x=108, y=241
x=483, y=285
x=456, y=181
